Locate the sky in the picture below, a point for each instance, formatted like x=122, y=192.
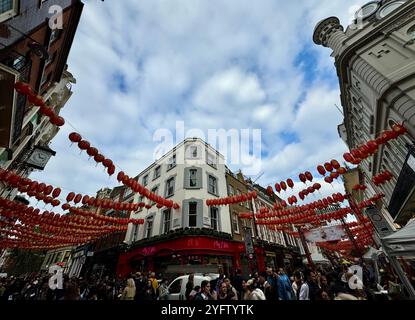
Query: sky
x=143, y=65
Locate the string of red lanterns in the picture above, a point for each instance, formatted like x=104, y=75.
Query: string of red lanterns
x=37, y=100
x=362, y=152
x=231, y=200
x=382, y=177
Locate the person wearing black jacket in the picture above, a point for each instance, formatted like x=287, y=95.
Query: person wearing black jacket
x=237, y=283
x=189, y=285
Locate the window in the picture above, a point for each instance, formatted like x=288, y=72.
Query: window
x=135, y=232
x=238, y=192
x=140, y=200
x=213, y=185
x=231, y=191
x=193, y=177
x=171, y=162
x=214, y=213
x=170, y=187
x=176, y=286
x=192, y=214
x=166, y=220
x=149, y=227
x=154, y=190
x=157, y=172
x=8, y=9
x=235, y=223
x=193, y=151
x=211, y=160
x=128, y=192
x=145, y=180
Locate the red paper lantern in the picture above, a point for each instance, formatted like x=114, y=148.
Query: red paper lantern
x=111, y=170
x=83, y=145
x=302, y=177
x=328, y=179
x=78, y=198
x=23, y=88
x=41, y=187
x=56, y=192
x=348, y=157
x=36, y=100
x=55, y=202
x=335, y=164
x=341, y=170
x=57, y=120
x=321, y=170
x=301, y=195
x=277, y=187
x=317, y=186
x=290, y=183
x=328, y=166
x=85, y=199
x=99, y=158
x=120, y=176
x=283, y=185
x=48, y=190
x=107, y=163
x=309, y=176
x=92, y=152
x=70, y=196
x=270, y=191
x=310, y=189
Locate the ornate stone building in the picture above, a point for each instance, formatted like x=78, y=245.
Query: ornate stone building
x=375, y=62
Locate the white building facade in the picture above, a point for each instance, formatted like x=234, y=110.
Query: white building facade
x=189, y=174
x=374, y=58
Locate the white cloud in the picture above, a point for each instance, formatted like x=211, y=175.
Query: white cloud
x=228, y=64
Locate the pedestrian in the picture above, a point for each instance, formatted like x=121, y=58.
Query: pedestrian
x=231, y=290
x=253, y=292
x=149, y=293
x=285, y=290
x=324, y=285
x=205, y=292
x=194, y=292
x=296, y=285
x=219, y=280
x=189, y=285
x=245, y=292
x=154, y=283
x=309, y=289
x=129, y=290
x=237, y=283
x=323, y=295
x=224, y=295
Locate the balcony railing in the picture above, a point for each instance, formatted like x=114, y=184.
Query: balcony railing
x=18, y=62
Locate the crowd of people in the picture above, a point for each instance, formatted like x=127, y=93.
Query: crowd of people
x=323, y=283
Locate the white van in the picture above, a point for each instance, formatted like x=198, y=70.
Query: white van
x=177, y=288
